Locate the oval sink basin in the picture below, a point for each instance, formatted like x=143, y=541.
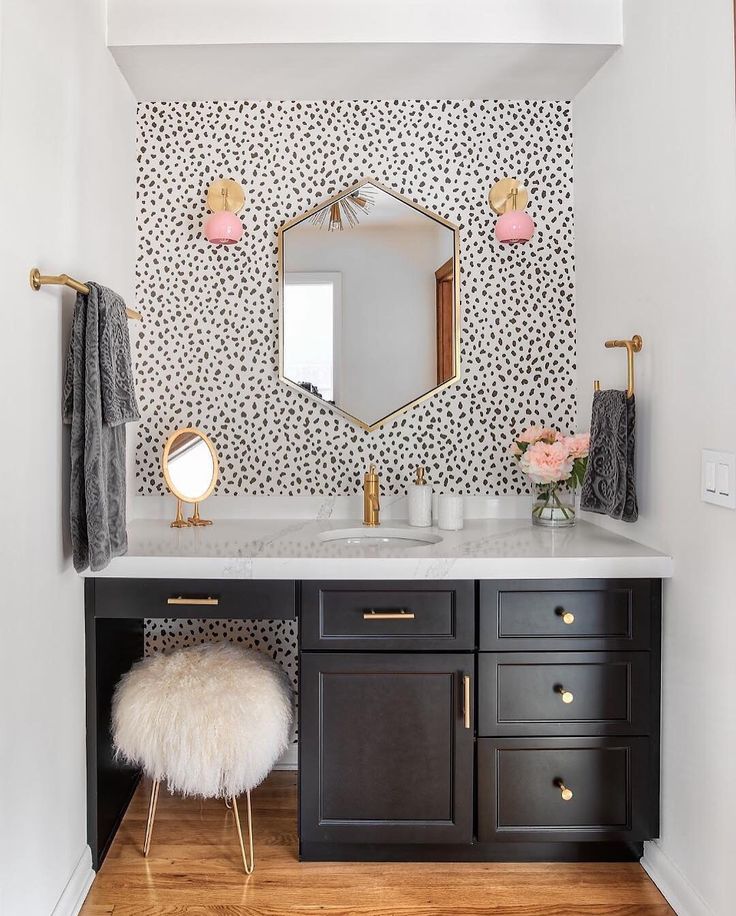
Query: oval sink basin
x=382, y=537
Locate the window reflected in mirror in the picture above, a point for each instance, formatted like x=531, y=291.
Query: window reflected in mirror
x=312, y=332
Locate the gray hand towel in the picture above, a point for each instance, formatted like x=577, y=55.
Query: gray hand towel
x=609, y=486
x=99, y=399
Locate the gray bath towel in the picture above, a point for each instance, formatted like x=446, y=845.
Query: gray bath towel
x=99, y=399
x=609, y=486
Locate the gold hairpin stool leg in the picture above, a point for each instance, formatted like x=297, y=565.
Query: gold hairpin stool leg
x=151, y=817
x=248, y=869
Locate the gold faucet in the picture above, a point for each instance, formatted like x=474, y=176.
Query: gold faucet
x=371, y=498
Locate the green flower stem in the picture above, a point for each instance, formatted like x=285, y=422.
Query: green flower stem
x=565, y=512
x=549, y=494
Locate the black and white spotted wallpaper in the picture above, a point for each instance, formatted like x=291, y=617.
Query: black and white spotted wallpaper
x=207, y=351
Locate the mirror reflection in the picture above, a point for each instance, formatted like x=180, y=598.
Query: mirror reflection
x=189, y=465
x=369, y=303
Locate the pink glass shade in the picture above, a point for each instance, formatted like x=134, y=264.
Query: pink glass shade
x=223, y=228
x=514, y=226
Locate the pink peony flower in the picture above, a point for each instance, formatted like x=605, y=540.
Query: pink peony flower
x=535, y=433
x=578, y=445
x=547, y=462
x=515, y=450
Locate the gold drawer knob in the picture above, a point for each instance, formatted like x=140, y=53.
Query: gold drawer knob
x=567, y=616
x=564, y=791
x=567, y=695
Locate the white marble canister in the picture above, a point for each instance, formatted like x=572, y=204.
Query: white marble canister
x=449, y=512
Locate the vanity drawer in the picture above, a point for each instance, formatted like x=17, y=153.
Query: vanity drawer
x=520, y=789
x=577, y=614
x=268, y=599
x=558, y=693
x=400, y=616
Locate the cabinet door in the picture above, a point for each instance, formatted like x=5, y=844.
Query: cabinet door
x=386, y=748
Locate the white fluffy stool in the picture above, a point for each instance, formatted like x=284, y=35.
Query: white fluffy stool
x=210, y=720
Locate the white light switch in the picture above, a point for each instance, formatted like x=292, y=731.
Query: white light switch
x=718, y=478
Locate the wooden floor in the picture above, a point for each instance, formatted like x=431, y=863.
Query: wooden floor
x=194, y=869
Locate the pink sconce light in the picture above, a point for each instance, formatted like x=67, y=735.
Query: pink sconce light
x=513, y=225
x=223, y=226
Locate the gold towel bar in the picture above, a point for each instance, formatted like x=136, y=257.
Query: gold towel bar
x=632, y=346
x=38, y=280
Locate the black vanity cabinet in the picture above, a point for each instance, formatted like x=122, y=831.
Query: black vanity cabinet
x=438, y=720
x=386, y=740
x=514, y=720
x=115, y=614
x=568, y=715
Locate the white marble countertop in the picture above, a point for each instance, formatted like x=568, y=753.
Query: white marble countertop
x=498, y=548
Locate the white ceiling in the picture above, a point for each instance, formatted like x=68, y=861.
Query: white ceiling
x=181, y=50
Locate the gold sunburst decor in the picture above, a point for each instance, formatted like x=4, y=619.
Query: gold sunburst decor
x=345, y=212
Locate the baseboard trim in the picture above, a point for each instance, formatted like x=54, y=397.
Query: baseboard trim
x=290, y=759
x=77, y=887
x=679, y=892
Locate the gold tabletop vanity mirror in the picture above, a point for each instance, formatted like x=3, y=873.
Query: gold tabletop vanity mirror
x=190, y=469
x=369, y=286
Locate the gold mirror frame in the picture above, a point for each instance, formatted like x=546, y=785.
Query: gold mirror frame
x=195, y=519
x=368, y=179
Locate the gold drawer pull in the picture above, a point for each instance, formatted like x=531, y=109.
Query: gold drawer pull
x=567, y=616
x=567, y=695
x=195, y=601
x=466, y=700
x=564, y=791
x=388, y=615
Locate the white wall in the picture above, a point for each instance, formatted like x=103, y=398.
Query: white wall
x=67, y=159
x=655, y=196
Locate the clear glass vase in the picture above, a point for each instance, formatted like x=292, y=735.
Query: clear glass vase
x=554, y=506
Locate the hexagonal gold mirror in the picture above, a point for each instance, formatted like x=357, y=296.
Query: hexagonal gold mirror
x=369, y=303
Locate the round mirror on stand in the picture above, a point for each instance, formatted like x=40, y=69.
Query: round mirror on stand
x=190, y=469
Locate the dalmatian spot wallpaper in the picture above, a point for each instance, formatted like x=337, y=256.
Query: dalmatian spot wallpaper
x=207, y=352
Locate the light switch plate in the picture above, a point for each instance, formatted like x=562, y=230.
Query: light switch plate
x=718, y=478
